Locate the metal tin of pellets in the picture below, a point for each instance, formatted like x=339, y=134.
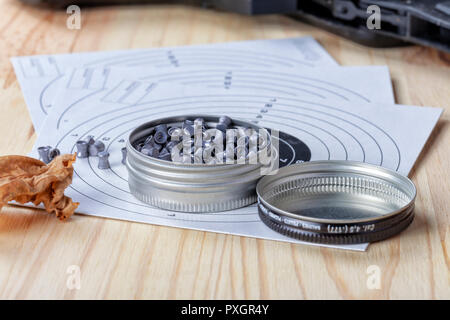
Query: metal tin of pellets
x=336, y=202
x=191, y=187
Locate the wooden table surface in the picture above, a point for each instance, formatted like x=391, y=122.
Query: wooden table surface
x=120, y=259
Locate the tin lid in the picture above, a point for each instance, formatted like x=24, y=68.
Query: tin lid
x=337, y=202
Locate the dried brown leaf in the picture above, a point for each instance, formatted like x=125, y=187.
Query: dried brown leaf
x=25, y=179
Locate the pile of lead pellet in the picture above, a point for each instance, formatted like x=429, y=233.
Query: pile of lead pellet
x=194, y=141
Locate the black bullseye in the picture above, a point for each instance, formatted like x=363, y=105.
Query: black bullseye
x=291, y=149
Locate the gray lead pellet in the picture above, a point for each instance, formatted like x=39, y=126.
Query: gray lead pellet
x=188, y=130
x=225, y=120
x=124, y=155
x=92, y=151
x=165, y=155
x=175, y=133
x=96, y=148
x=222, y=127
x=157, y=146
x=146, y=149
x=161, y=134
x=82, y=149
x=171, y=145
x=53, y=153
x=160, y=137
x=103, y=160
x=161, y=127
x=90, y=139
x=44, y=154
x=150, y=151
x=139, y=146
x=224, y=123
x=99, y=145
x=171, y=130
x=164, y=150
x=149, y=140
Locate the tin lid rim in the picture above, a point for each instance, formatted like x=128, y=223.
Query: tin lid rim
x=313, y=166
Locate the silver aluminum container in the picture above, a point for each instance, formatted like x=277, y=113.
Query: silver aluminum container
x=190, y=187
x=336, y=202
